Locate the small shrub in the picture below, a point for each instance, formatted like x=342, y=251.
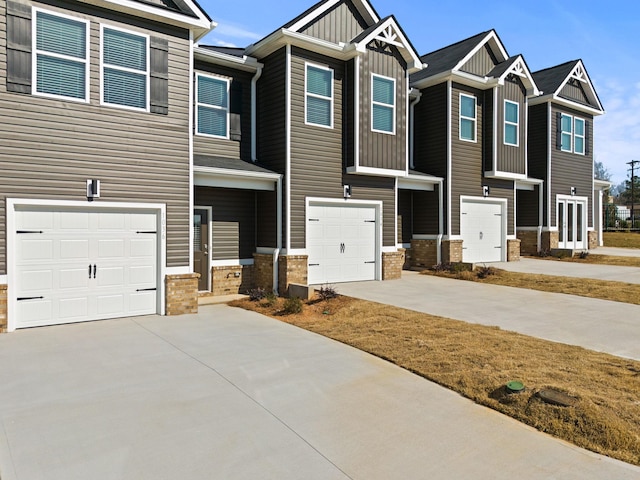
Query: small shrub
x=544, y=253
x=459, y=267
x=292, y=306
x=584, y=254
x=561, y=254
x=484, y=271
x=270, y=298
x=442, y=267
x=327, y=292
x=257, y=294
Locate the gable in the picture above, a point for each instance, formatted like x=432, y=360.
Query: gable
x=339, y=24
x=481, y=63
x=573, y=90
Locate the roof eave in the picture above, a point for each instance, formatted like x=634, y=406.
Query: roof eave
x=245, y=63
x=554, y=98
x=285, y=36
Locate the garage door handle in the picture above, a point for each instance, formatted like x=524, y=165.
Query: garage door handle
x=146, y=290
x=94, y=270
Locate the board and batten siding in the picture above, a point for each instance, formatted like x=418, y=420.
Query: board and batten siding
x=481, y=63
x=573, y=91
x=234, y=221
x=240, y=86
x=509, y=158
x=340, y=24
x=571, y=169
x=316, y=151
x=381, y=150
x=50, y=147
x=537, y=157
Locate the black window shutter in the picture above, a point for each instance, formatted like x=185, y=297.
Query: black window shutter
x=159, y=60
x=18, y=47
x=587, y=137
x=235, y=111
x=558, y=130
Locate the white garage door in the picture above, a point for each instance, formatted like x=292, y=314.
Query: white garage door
x=74, y=266
x=341, y=243
x=481, y=228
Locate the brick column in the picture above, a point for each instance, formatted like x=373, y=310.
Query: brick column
x=181, y=293
x=231, y=280
x=291, y=269
x=263, y=271
x=549, y=241
x=425, y=253
x=593, y=239
x=3, y=309
x=392, y=264
x=451, y=251
x=513, y=250
x=528, y=241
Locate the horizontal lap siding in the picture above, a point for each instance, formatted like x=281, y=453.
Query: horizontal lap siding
x=538, y=150
x=340, y=24
x=489, y=129
x=266, y=221
x=316, y=152
x=570, y=169
x=512, y=159
x=221, y=147
x=504, y=189
x=139, y=157
x=380, y=150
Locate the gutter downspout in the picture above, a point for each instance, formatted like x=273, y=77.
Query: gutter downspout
x=440, y=221
x=276, y=252
x=412, y=106
x=254, y=113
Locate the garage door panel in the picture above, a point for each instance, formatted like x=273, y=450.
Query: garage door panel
x=110, y=305
x=143, y=247
x=30, y=281
x=73, y=249
x=143, y=275
x=141, y=302
x=73, y=278
x=110, y=221
x=34, y=312
x=111, y=276
x=73, y=221
x=34, y=249
x=34, y=220
x=142, y=222
x=114, y=248
x=73, y=308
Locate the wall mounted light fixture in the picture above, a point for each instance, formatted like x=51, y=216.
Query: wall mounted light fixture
x=346, y=190
x=93, y=189
x=486, y=190
x=573, y=191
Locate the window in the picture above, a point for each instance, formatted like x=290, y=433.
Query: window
x=383, y=104
x=511, y=123
x=61, y=50
x=212, y=106
x=566, y=128
x=467, y=118
x=319, y=96
x=125, y=68
x=578, y=136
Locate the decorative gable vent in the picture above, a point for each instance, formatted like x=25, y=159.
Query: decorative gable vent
x=389, y=36
x=579, y=74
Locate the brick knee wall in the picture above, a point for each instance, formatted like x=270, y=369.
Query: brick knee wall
x=408, y=259
x=593, y=239
x=181, y=293
x=392, y=263
x=549, y=241
x=3, y=309
x=451, y=251
x=424, y=253
x=263, y=271
x=292, y=269
x=513, y=250
x=232, y=280
x=528, y=242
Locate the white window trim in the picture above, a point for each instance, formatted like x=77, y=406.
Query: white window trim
x=115, y=67
x=393, y=107
x=583, y=136
x=34, y=57
x=473, y=119
x=562, y=132
x=516, y=124
x=214, y=107
x=307, y=94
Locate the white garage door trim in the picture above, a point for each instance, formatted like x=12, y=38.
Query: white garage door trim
x=502, y=202
x=377, y=205
x=13, y=205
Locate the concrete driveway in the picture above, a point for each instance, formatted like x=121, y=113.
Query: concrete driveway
x=228, y=394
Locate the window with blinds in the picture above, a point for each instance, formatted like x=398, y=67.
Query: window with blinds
x=61, y=49
x=383, y=104
x=467, y=118
x=319, y=96
x=511, y=123
x=212, y=106
x=125, y=68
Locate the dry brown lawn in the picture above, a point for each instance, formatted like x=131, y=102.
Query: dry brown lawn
x=477, y=361
x=584, y=287
x=622, y=239
x=594, y=258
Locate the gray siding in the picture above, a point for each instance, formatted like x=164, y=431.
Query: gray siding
x=570, y=169
x=234, y=221
x=537, y=152
x=489, y=129
x=316, y=152
x=267, y=219
x=139, y=157
x=426, y=220
x=220, y=147
x=340, y=24
x=379, y=150
x=509, y=158
x=405, y=216
x=527, y=203
x=573, y=91
x=481, y=63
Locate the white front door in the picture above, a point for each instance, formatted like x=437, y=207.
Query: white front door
x=341, y=243
x=572, y=223
x=74, y=265
x=482, y=231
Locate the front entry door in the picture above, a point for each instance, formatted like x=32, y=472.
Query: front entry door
x=201, y=247
x=572, y=223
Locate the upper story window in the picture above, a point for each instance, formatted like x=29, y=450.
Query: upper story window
x=511, y=123
x=566, y=127
x=62, y=59
x=383, y=104
x=125, y=68
x=319, y=96
x=578, y=135
x=212, y=106
x=468, y=117
x=572, y=131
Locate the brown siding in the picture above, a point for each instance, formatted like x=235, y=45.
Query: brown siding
x=379, y=150
x=570, y=169
x=340, y=24
x=405, y=216
x=573, y=91
x=220, y=147
x=348, y=117
x=316, y=152
x=481, y=63
x=426, y=220
x=489, y=129
x=234, y=221
x=503, y=189
x=512, y=159
x=266, y=210
x=527, y=207
x=537, y=149
x=139, y=157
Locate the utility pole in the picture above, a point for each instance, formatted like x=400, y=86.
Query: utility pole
x=633, y=164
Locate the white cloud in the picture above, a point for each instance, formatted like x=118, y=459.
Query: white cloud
x=221, y=43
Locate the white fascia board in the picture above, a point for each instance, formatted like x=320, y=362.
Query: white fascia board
x=285, y=36
x=532, y=88
x=227, y=178
x=601, y=184
x=200, y=24
x=419, y=182
x=491, y=37
x=245, y=63
x=504, y=175
x=362, y=6
x=378, y=172
x=463, y=78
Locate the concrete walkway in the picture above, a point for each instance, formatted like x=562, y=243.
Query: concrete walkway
x=600, y=325
x=228, y=394
x=617, y=252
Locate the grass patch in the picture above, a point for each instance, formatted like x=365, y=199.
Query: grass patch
x=622, y=239
x=583, y=287
x=596, y=259
x=477, y=361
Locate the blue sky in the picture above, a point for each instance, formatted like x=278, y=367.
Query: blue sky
x=604, y=34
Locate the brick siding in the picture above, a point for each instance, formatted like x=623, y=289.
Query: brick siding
x=528, y=242
x=230, y=280
x=3, y=309
x=292, y=269
x=424, y=253
x=392, y=263
x=513, y=250
x=181, y=293
x=451, y=251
